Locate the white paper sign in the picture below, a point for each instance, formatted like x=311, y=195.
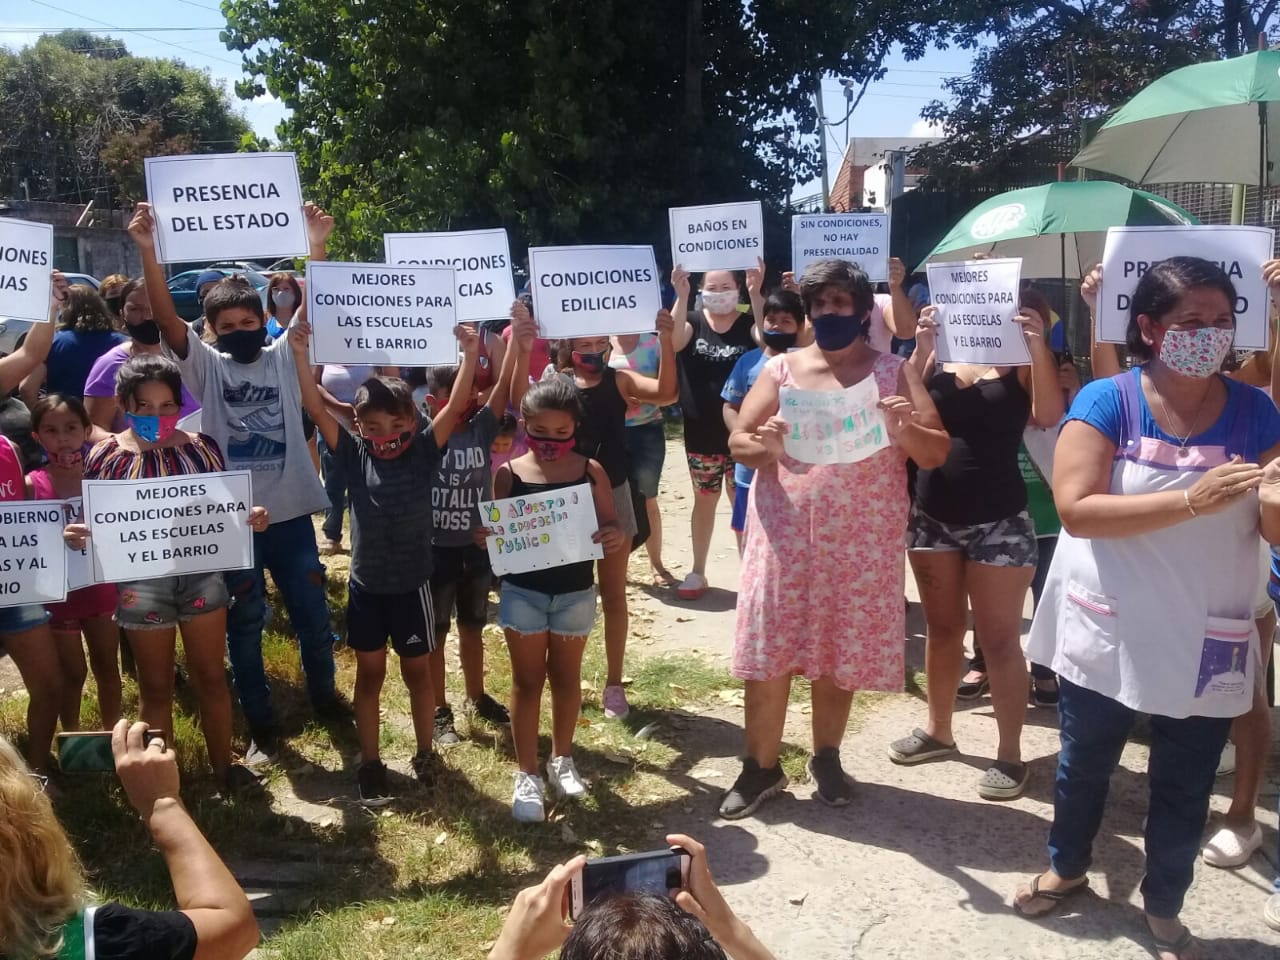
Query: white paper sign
x=723, y=236
x=537, y=532
x=833, y=426
x=861, y=238
x=79, y=563
x=226, y=206
x=33, y=560
x=594, y=290
x=977, y=301
x=481, y=257
x=26, y=263
x=169, y=526
x=379, y=315
x=1240, y=251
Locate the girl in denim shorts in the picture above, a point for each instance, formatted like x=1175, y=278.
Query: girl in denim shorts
x=547, y=614
x=149, y=391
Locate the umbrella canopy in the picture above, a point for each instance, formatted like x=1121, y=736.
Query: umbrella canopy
x=1209, y=122
x=1044, y=224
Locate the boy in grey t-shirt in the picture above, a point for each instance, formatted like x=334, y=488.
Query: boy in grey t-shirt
x=251, y=406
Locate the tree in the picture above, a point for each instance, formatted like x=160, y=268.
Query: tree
x=1043, y=71
x=78, y=113
x=572, y=120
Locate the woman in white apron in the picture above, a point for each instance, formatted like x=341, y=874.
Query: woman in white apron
x=1164, y=477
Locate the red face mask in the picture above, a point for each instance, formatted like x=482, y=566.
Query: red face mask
x=389, y=447
x=545, y=448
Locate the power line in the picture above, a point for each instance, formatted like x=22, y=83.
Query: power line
x=111, y=26
x=117, y=29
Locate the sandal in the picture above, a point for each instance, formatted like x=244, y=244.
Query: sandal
x=1055, y=897
x=664, y=578
x=1004, y=781
x=1176, y=947
x=973, y=689
x=919, y=748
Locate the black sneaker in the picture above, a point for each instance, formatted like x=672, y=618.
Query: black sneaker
x=426, y=767
x=1047, y=695
x=372, y=777
x=490, y=710
x=835, y=787
x=752, y=788
x=444, y=735
x=334, y=710
x=264, y=747
x=241, y=782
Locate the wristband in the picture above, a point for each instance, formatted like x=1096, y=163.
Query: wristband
x=1186, y=498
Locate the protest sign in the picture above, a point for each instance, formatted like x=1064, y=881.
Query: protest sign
x=537, y=532
x=26, y=265
x=861, y=238
x=1240, y=251
x=481, y=257
x=977, y=301
x=833, y=426
x=594, y=290
x=169, y=526
x=226, y=206
x=379, y=315
x=723, y=236
x=79, y=563
x=33, y=562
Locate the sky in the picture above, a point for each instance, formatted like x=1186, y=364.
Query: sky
x=188, y=30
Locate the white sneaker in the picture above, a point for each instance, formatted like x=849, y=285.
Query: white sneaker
x=527, y=800
x=1227, y=762
x=1231, y=848
x=564, y=778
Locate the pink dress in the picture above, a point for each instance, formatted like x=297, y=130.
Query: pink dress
x=822, y=568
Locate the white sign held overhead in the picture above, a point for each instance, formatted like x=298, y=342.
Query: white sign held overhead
x=977, y=301
x=169, y=526
x=26, y=265
x=722, y=236
x=33, y=561
x=594, y=290
x=481, y=257
x=379, y=315
x=226, y=206
x=861, y=238
x=1240, y=251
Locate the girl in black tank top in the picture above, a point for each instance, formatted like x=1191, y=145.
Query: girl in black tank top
x=547, y=614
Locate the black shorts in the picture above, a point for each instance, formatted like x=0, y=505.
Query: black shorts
x=406, y=618
x=460, y=579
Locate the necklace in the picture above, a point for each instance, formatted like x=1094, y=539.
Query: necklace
x=1182, y=441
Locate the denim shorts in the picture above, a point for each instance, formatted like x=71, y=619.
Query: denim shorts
x=531, y=612
x=647, y=445
x=165, y=601
x=23, y=618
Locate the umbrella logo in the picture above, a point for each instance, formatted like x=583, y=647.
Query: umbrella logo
x=997, y=221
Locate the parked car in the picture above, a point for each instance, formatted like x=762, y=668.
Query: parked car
x=13, y=331
x=286, y=265
x=238, y=266
x=182, y=287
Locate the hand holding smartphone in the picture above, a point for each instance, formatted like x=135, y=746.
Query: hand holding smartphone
x=89, y=751
x=658, y=871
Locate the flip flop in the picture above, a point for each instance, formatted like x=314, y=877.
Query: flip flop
x=664, y=578
x=1055, y=897
x=1176, y=947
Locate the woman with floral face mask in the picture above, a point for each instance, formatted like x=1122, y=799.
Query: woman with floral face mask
x=1164, y=477
x=149, y=391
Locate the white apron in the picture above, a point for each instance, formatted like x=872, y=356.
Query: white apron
x=1161, y=622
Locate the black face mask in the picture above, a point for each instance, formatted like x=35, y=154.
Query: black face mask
x=148, y=332
x=243, y=345
x=778, y=341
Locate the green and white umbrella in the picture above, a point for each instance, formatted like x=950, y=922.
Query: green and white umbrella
x=1206, y=123
x=1058, y=229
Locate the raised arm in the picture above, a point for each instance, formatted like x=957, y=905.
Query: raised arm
x=172, y=327
x=319, y=227
x=312, y=401
x=1042, y=380
x=1271, y=274
x=684, y=330
x=500, y=392
x=1104, y=358
x=925, y=355
x=204, y=888
x=35, y=348
x=442, y=424
x=523, y=332
x=637, y=388
x=902, y=312
x=755, y=293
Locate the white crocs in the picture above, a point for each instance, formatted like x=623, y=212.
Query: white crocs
x=1232, y=848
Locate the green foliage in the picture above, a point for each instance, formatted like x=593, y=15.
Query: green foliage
x=79, y=113
x=566, y=120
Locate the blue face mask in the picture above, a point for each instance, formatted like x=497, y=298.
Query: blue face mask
x=834, y=331
x=151, y=428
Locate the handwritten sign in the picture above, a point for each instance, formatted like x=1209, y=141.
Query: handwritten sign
x=79, y=563
x=26, y=261
x=33, y=562
x=594, y=290
x=226, y=206
x=1240, y=251
x=833, y=426
x=481, y=257
x=723, y=236
x=861, y=238
x=379, y=315
x=977, y=301
x=534, y=533
x=169, y=526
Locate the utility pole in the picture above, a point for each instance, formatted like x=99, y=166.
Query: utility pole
x=822, y=141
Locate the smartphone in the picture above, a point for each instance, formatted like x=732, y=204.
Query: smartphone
x=658, y=871
x=89, y=751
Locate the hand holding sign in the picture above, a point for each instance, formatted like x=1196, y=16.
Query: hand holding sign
x=319, y=226
x=899, y=413
x=755, y=279
x=680, y=282
x=772, y=435
x=610, y=537
x=1271, y=275
x=59, y=288
x=1090, y=287
x=142, y=227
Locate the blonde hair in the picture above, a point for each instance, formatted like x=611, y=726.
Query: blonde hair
x=41, y=885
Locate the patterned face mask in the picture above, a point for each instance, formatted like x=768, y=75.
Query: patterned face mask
x=1196, y=353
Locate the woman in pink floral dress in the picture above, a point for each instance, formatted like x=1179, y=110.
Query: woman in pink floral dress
x=822, y=568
